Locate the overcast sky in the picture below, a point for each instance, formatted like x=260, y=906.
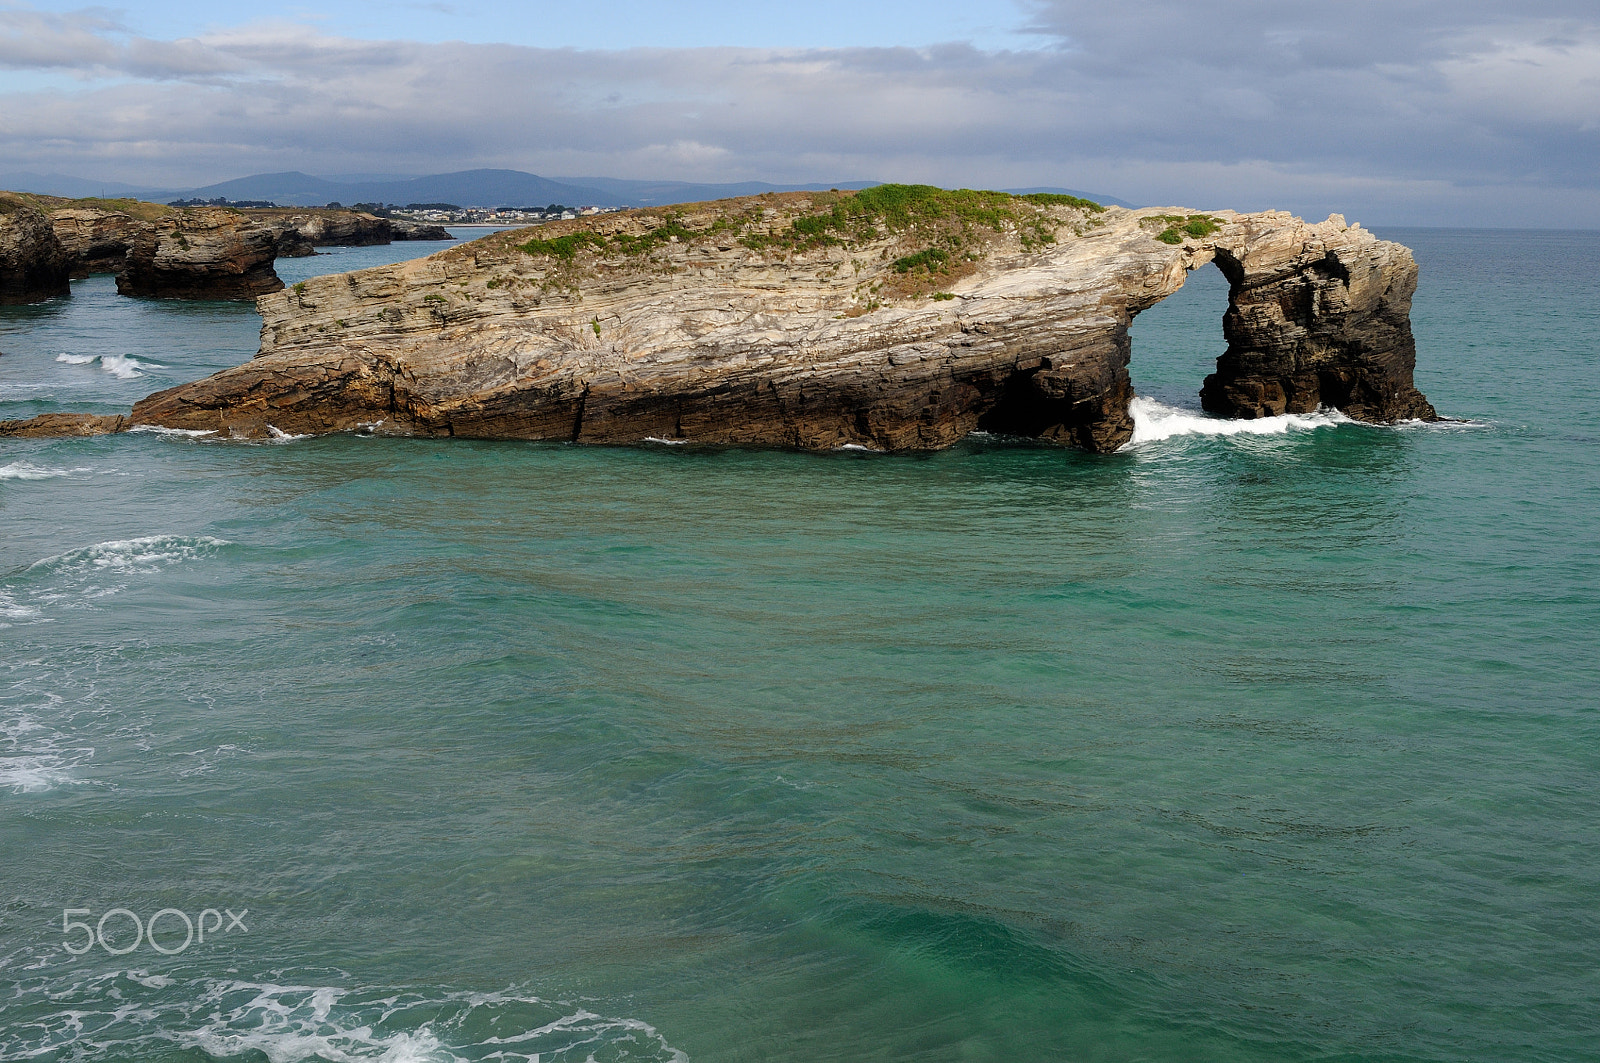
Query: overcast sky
x=1466, y=112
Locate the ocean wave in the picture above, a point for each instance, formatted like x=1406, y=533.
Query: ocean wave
x=1154, y=421
x=147, y=554
x=130, y=1012
x=22, y=470
x=121, y=366
x=665, y=442
x=278, y=435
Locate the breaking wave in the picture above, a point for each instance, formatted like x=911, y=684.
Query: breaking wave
x=133, y=1013
x=147, y=554
x=121, y=366
x=73, y=580
x=22, y=470
x=160, y=430
x=1154, y=421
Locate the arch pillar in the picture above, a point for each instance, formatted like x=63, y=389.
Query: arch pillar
x=1319, y=323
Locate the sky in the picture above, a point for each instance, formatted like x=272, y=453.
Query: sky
x=1466, y=112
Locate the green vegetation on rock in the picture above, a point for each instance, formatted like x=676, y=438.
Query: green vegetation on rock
x=564, y=246
x=1176, y=226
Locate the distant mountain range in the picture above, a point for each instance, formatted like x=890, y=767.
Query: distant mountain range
x=467, y=188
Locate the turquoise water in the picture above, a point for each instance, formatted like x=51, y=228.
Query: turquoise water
x=1270, y=745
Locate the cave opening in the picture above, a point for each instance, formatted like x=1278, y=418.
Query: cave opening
x=1176, y=342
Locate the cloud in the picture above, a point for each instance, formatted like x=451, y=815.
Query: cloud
x=1413, y=110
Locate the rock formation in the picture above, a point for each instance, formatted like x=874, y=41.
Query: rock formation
x=97, y=235
x=33, y=264
x=897, y=318
x=64, y=424
x=1320, y=322
x=332, y=228
x=415, y=230
x=201, y=253
x=97, y=240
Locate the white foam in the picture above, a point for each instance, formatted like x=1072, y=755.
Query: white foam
x=278, y=435
x=131, y=1015
x=858, y=446
x=665, y=442
x=145, y=554
x=12, y=610
x=121, y=366
x=35, y=758
x=22, y=470
x=1154, y=421
x=159, y=430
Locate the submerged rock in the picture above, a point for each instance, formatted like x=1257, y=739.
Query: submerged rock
x=33, y=264
x=899, y=318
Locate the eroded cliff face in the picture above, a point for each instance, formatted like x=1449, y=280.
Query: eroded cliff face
x=33, y=264
x=96, y=240
x=810, y=321
x=201, y=253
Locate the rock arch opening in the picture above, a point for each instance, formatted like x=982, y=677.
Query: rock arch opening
x=1175, y=344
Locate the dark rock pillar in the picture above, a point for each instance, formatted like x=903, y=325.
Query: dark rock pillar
x=1328, y=327
x=33, y=264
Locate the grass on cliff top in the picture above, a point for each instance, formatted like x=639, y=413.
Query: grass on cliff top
x=952, y=226
x=134, y=208
x=1176, y=226
x=938, y=234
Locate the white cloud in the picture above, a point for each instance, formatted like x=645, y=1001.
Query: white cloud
x=1405, y=108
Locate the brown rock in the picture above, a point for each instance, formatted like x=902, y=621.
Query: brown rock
x=416, y=230
x=201, y=253
x=64, y=424
x=98, y=240
x=33, y=264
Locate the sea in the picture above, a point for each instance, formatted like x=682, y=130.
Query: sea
x=1254, y=741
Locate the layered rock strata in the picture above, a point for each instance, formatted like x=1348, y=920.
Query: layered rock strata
x=201, y=253
x=798, y=320
x=1319, y=322
x=33, y=264
x=97, y=240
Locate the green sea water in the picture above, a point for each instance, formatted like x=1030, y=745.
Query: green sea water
x=1251, y=742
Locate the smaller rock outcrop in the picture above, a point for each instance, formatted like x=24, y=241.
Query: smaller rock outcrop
x=416, y=230
x=33, y=264
x=335, y=228
x=204, y=253
x=54, y=425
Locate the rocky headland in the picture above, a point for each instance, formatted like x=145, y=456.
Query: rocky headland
x=902, y=317
x=33, y=264
x=167, y=252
